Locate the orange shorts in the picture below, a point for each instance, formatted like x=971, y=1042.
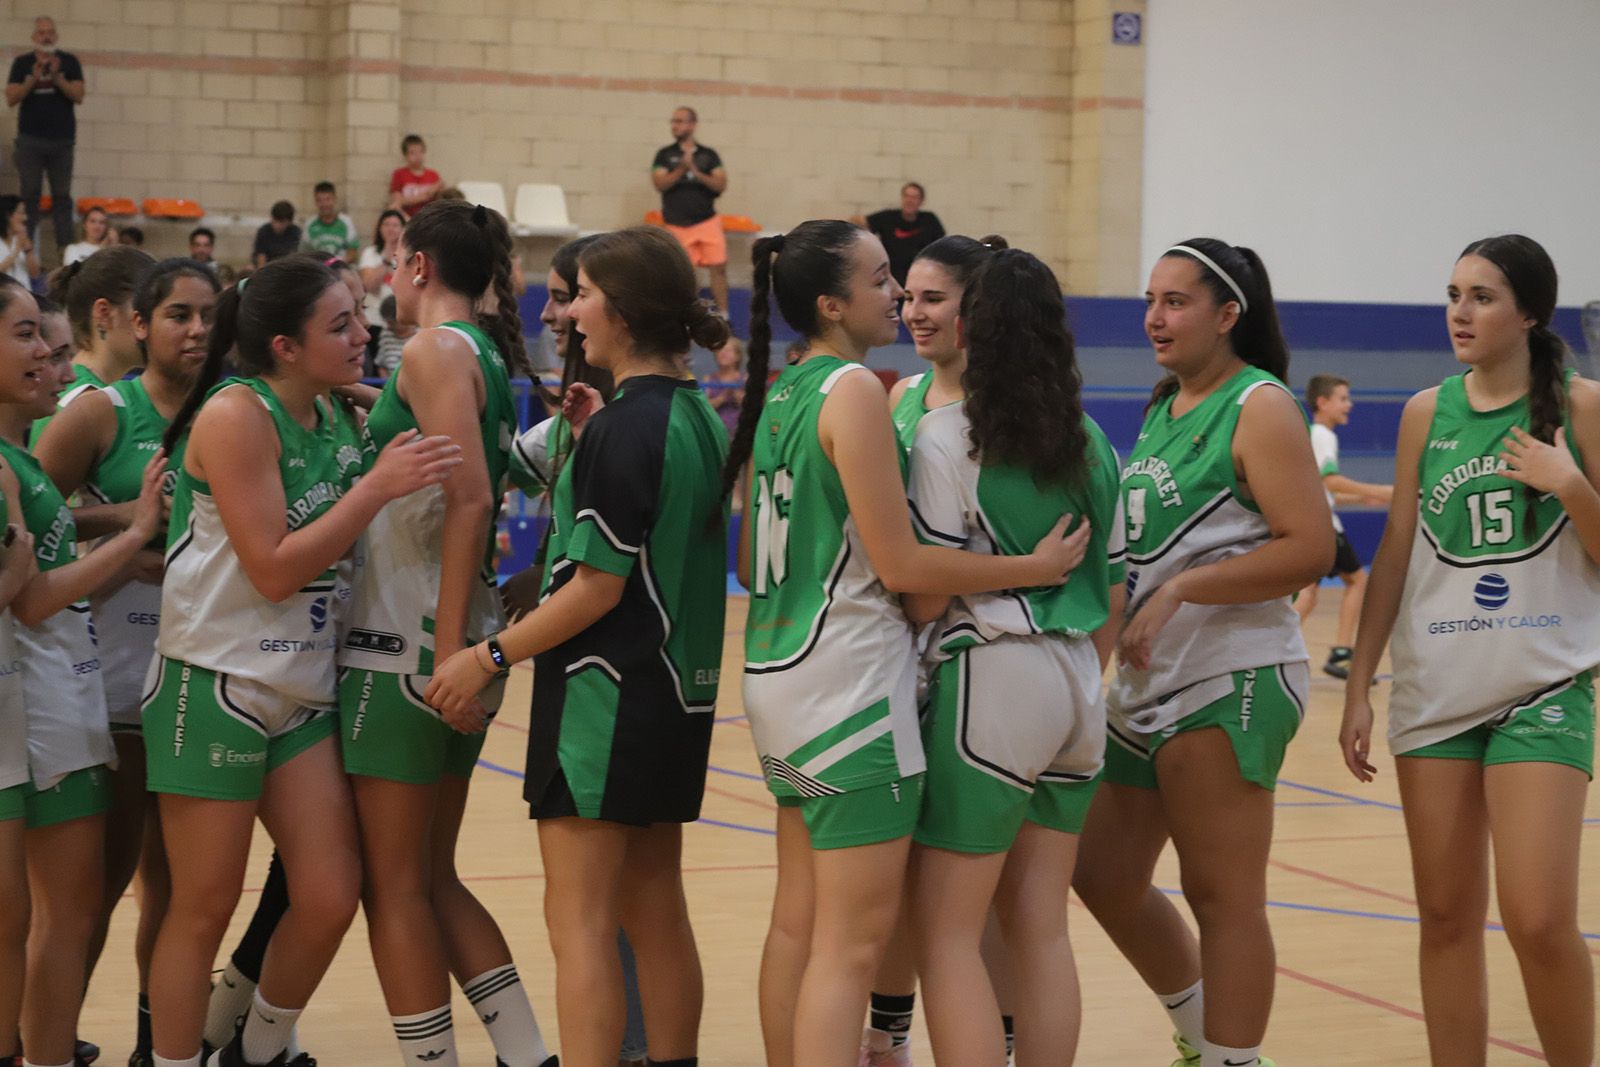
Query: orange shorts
x=705, y=242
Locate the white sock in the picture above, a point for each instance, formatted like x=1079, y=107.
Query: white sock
x=30, y=1063
x=161, y=1061
x=1219, y=1056
x=266, y=1030
x=500, y=1001
x=427, y=1037
x=293, y=1049
x=1187, y=1010
x=230, y=999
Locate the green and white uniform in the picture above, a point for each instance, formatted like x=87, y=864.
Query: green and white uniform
x=83, y=379
x=538, y=454
x=127, y=621
x=242, y=684
x=622, y=712
x=13, y=711
x=1497, y=625
x=66, y=704
x=910, y=409
x=332, y=238
x=1183, y=509
x=388, y=730
x=830, y=662
x=1014, y=728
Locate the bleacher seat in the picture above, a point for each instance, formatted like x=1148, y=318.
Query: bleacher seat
x=491, y=195
x=654, y=218
x=111, y=205
x=172, y=208
x=542, y=211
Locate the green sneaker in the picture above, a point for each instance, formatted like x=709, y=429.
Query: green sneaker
x=1188, y=1055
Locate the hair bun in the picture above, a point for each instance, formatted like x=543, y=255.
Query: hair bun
x=480, y=215
x=994, y=242
x=706, y=328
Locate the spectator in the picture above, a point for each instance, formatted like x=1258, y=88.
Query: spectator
x=48, y=85
x=203, y=246
x=415, y=184
x=96, y=235
x=18, y=257
x=278, y=237
x=394, y=338
x=728, y=379
x=379, y=259
x=331, y=233
x=689, y=177
x=130, y=235
x=905, y=232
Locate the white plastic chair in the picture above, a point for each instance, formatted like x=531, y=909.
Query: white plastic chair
x=542, y=211
x=491, y=195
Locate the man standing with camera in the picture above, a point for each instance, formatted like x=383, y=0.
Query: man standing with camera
x=48, y=84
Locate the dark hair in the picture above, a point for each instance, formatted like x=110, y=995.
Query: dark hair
x=574, y=368
x=277, y=299
x=134, y=235
x=377, y=230
x=1321, y=386
x=470, y=247
x=1532, y=277
x=202, y=231
x=46, y=305
x=9, y=202
x=410, y=139
x=10, y=287
x=795, y=268
x=283, y=211
x=1024, y=391
x=962, y=256
x=694, y=116
x=111, y=274
x=1256, y=336
x=158, y=282
x=323, y=187
x=388, y=309
x=917, y=186
x=650, y=285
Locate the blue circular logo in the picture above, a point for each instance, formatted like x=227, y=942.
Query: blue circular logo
x=1492, y=592
x=319, y=614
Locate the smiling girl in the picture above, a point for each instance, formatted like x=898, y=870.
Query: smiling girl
x=239, y=718
x=831, y=665
x=1495, y=521
x=1225, y=519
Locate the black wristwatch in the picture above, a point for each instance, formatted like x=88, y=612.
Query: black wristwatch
x=496, y=653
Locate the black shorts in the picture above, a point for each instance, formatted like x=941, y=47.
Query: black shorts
x=1345, y=560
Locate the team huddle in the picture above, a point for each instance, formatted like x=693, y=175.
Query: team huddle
x=284, y=608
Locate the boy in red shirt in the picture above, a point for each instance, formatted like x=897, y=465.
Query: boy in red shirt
x=415, y=184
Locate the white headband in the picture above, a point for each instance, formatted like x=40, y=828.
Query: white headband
x=1244, y=305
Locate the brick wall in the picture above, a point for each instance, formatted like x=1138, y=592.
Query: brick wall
x=1014, y=113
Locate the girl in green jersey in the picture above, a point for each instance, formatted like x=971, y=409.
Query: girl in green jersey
x=627, y=647
x=830, y=673
x=1488, y=578
x=424, y=590
x=23, y=351
x=100, y=443
x=239, y=721
x=97, y=294
x=1225, y=518
x=934, y=286
x=68, y=739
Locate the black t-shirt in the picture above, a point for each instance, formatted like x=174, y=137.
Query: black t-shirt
x=687, y=201
x=46, y=112
x=275, y=245
x=902, y=239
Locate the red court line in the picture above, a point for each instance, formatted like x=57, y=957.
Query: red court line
x=1390, y=1006
x=1344, y=883
x=1336, y=837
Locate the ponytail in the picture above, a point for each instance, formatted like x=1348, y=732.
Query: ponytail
x=224, y=329
x=505, y=325
x=1547, y=396
x=470, y=247
x=760, y=352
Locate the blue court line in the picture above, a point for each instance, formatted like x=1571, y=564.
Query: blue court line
x=732, y=718
x=1353, y=913
x=1315, y=804
x=736, y=774
x=1348, y=797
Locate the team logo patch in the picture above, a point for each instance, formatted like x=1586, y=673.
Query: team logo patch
x=219, y=754
x=319, y=614
x=1552, y=715
x=1491, y=592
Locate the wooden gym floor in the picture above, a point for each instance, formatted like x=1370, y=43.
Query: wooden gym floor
x=1342, y=910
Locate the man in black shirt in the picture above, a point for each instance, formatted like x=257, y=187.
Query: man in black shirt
x=905, y=232
x=689, y=177
x=278, y=238
x=48, y=85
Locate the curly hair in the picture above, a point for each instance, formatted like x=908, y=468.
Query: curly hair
x=1024, y=391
